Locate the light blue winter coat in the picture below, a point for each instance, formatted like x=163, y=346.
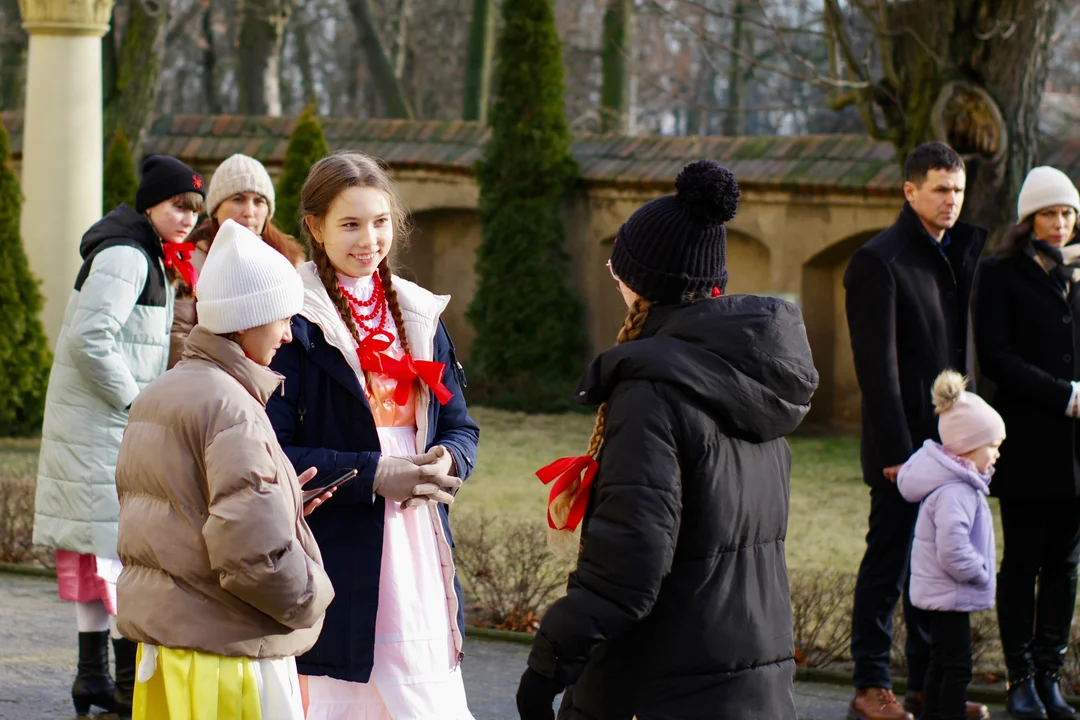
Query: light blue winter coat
x=952, y=558
x=114, y=341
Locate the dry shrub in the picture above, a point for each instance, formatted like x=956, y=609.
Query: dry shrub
x=507, y=569
x=1071, y=671
x=17, y=523
x=821, y=611
x=986, y=645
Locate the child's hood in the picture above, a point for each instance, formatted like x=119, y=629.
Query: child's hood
x=931, y=468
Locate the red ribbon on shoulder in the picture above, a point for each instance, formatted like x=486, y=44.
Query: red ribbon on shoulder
x=374, y=359
x=178, y=257
x=564, y=472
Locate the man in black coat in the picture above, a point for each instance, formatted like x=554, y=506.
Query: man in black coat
x=908, y=290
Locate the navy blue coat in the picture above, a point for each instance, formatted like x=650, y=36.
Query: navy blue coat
x=322, y=419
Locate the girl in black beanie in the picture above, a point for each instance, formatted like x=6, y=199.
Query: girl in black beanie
x=679, y=605
x=114, y=341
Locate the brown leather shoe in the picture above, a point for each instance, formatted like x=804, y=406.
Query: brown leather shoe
x=876, y=704
x=913, y=703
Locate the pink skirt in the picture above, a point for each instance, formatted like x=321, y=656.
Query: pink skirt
x=416, y=675
x=79, y=580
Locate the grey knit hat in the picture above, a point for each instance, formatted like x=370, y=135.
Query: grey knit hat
x=238, y=174
x=676, y=245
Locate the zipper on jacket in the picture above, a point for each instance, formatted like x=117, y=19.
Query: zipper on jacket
x=301, y=409
x=459, y=370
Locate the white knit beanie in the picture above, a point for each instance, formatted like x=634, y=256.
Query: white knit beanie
x=238, y=174
x=245, y=283
x=1044, y=187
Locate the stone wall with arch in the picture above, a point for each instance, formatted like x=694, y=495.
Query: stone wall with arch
x=441, y=256
x=837, y=401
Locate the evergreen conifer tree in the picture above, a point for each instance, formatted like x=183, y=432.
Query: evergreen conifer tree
x=25, y=358
x=530, y=336
x=307, y=145
x=120, y=179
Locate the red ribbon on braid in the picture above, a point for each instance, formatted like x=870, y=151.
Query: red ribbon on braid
x=405, y=371
x=178, y=257
x=564, y=472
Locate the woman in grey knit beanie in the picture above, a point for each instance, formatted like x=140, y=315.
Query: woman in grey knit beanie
x=240, y=190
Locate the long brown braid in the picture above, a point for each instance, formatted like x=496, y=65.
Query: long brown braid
x=563, y=540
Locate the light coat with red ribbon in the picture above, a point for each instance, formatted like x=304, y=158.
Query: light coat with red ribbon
x=114, y=341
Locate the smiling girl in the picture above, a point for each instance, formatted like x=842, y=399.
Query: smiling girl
x=371, y=381
x=114, y=341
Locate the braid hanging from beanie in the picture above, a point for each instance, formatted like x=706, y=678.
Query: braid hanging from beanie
x=573, y=476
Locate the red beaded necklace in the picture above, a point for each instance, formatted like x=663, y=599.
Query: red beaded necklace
x=378, y=312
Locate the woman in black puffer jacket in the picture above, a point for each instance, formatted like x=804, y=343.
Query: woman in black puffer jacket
x=679, y=606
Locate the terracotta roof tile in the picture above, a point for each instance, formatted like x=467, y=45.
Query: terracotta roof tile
x=805, y=164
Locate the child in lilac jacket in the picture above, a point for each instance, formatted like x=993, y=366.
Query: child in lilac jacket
x=953, y=568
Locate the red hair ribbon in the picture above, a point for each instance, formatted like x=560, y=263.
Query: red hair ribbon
x=405, y=371
x=178, y=257
x=564, y=472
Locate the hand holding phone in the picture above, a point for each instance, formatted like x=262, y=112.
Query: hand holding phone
x=337, y=479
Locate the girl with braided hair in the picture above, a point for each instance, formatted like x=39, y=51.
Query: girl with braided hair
x=679, y=604
x=372, y=384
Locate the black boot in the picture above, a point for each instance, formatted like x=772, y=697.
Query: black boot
x=1048, y=686
x=1023, y=702
x=93, y=685
x=124, y=651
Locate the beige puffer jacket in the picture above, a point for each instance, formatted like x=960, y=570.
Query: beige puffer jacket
x=217, y=555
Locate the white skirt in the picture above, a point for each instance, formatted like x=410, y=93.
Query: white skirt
x=416, y=675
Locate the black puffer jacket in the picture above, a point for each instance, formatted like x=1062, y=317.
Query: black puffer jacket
x=679, y=606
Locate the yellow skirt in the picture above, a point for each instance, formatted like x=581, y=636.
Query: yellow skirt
x=190, y=685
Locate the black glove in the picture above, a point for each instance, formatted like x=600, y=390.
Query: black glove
x=536, y=696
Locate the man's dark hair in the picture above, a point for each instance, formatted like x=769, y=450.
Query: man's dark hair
x=930, y=156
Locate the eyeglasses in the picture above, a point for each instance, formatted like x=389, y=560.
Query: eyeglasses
x=613, y=275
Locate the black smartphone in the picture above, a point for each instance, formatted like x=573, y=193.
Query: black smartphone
x=338, y=478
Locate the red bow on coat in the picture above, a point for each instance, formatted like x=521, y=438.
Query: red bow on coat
x=564, y=472
x=178, y=257
x=405, y=371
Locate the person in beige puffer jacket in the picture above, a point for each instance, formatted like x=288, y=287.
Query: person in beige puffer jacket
x=222, y=577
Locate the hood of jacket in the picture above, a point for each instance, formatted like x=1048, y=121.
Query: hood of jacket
x=746, y=358
x=125, y=223
x=931, y=468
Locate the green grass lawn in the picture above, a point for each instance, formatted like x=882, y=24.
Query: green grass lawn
x=829, y=502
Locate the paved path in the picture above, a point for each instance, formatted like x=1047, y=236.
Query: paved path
x=37, y=661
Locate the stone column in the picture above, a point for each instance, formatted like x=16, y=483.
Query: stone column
x=62, y=141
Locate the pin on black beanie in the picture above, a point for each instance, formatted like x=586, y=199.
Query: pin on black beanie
x=676, y=245
x=163, y=177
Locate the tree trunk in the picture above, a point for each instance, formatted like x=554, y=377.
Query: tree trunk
x=302, y=30
x=401, y=33
x=741, y=44
x=138, y=69
x=617, y=44
x=260, y=40
x=980, y=94
x=209, y=63
x=379, y=65
x=478, y=61
x=110, y=59
x=13, y=44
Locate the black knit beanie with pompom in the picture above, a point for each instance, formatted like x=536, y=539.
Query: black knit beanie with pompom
x=676, y=245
